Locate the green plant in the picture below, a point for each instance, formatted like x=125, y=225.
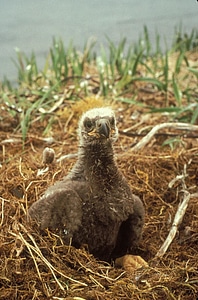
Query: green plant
x=27, y=68
x=117, y=71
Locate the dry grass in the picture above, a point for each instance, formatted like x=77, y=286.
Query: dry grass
x=37, y=265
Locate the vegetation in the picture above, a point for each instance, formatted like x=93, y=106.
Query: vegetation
x=119, y=72
x=148, y=88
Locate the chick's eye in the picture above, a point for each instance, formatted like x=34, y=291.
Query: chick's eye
x=112, y=121
x=88, y=124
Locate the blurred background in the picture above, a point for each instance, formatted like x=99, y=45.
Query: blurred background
x=31, y=25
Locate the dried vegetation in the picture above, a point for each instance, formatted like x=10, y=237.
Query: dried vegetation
x=36, y=265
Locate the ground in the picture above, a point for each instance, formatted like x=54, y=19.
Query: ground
x=37, y=265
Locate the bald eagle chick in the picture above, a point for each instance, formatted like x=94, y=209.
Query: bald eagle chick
x=93, y=204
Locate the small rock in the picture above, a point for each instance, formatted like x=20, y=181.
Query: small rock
x=48, y=155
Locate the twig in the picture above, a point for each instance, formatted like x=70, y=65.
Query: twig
x=179, y=214
x=177, y=220
x=96, y=282
x=67, y=156
x=179, y=126
x=105, y=276
x=2, y=211
x=160, y=134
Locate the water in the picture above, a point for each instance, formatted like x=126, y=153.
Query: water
x=31, y=25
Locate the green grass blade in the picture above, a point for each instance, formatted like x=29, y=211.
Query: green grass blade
x=177, y=91
x=153, y=81
x=194, y=71
x=195, y=115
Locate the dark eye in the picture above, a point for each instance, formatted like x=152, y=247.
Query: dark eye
x=88, y=124
x=112, y=121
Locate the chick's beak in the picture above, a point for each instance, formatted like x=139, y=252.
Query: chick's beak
x=103, y=128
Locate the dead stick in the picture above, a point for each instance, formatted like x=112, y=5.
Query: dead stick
x=176, y=222
x=163, y=134
x=179, y=126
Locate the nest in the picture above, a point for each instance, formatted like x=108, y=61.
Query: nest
x=37, y=265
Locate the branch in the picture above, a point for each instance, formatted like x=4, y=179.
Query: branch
x=178, y=126
x=163, y=134
x=177, y=221
x=179, y=214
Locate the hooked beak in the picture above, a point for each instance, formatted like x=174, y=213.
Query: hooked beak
x=103, y=128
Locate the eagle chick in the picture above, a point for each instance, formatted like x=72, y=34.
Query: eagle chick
x=93, y=204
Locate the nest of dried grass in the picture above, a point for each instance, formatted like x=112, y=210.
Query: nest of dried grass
x=37, y=265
